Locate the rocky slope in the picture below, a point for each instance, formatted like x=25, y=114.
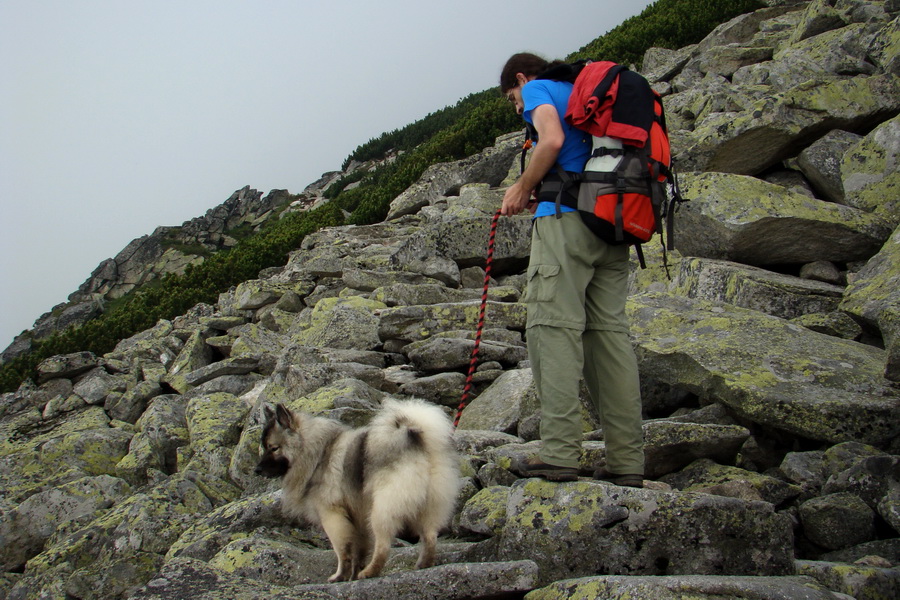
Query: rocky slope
x=769, y=365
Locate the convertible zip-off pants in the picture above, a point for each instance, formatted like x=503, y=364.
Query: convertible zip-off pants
x=576, y=326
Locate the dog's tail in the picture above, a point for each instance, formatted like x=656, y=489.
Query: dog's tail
x=413, y=424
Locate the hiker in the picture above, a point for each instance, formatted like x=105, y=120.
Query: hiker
x=577, y=287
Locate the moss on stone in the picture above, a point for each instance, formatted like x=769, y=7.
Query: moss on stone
x=767, y=369
x=485, y=512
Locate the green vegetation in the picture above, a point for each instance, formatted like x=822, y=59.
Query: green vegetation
x=448, y=134
x=668, y=24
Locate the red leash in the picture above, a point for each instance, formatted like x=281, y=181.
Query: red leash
x=480, y=328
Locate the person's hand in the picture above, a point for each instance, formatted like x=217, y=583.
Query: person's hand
x=516, y=199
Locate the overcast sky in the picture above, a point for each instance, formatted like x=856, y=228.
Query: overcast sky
x=120, y=116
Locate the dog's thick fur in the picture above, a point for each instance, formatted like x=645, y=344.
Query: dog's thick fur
x=364, y=486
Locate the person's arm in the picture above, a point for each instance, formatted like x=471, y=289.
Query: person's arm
x=543, y=158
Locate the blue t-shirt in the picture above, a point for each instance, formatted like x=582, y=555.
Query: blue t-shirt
x=576, y=148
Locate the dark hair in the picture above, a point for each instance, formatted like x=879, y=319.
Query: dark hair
x=530, y=65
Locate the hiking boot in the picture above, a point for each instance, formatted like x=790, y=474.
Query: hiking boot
x=626, y=480
x=535, y=467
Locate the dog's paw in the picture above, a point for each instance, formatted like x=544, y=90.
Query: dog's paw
x=337, y=577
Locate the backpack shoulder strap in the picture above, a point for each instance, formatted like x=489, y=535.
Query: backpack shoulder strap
x=531, y=138
x=603, y=87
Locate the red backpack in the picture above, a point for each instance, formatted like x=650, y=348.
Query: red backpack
x=621, y=193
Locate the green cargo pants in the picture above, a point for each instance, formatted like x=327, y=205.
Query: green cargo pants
x=576, y=326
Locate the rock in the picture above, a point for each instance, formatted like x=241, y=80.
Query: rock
x=343, y=393
x=130, y=405
x=889, y=506
x=745, y=220
x=874, y=298
x=748, y=287
x=301, y=370
x=145, y=523
x=660, y=64
x=237, y=365
x=96, y=385
x=885, y=51
x=870, y=174
x=254, y=294
x=194, y=355
x=839, y=53
x=349, y=323
x=66, y=366
x=837, y=521
x=465, y=241
x=820, y=16
x=95, y=451
x=400, y=294
x=725, y=60
x=859, y=581
x=676, y=587
x=670, y=446
x=214, y=530
x=277, y=562
x=214, y=425
x=869, y=479
x=28, y=527
x=636, y=534
x=447, y=353
x=499, y=407
x=822, y=270
x=837, y=324
x=113, y=578
x=748, y=361
x=806, y=469
x=188, y=577
x=888, y=550
x=704, y=475
x=162, y=429
x=368, y=281
x=441, y=388
x=413, y=323
x=821, y=163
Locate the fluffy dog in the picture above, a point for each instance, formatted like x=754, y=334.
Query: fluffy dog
x=365, y=485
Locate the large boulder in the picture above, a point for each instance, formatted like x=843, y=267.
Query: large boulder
x=870, y=173
x=601, y=528
x=679, y=587
x=465, y=241
x=874, y=298
x=766, y=369
x=773, y=293
x=414, y=323
x=746, y=220
x=750, y=141
x=821, y=163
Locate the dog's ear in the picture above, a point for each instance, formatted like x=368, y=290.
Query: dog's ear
x=268, y=413
x=284, y=416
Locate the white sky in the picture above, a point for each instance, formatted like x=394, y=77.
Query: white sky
x=118, y=116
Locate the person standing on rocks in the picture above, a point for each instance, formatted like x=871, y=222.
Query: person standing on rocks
x=577, y=287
